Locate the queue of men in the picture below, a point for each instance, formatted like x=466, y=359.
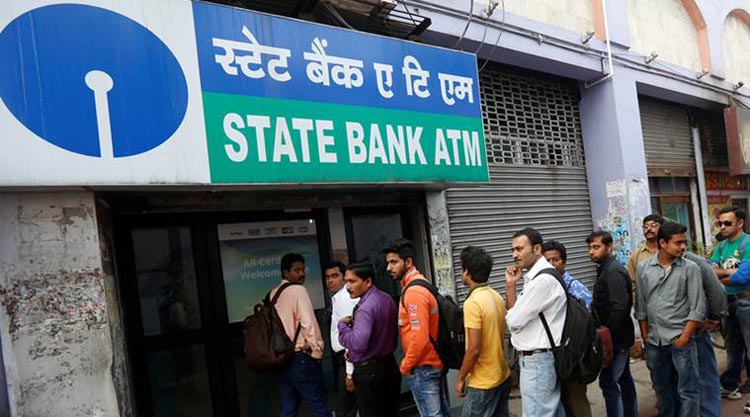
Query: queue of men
x=676, y=298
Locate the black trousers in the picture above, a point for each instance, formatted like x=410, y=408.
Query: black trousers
x=378, y=386
x=346, y=402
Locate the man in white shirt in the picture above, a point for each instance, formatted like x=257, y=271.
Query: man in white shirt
x=542, y=293
x=342, y=305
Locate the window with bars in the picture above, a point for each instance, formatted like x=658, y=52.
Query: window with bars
x=530, y=121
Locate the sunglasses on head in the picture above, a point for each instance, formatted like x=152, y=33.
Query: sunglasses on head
x=725, y=223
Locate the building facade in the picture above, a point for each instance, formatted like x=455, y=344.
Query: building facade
x=129, y=263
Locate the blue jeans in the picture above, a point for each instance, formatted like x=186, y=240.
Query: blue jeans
x=617, y=384
x=302, y=378
x=426, y=385
x=737, y=333
x=709, y=376
x=675, y=377
x=491, y=402
x=540, y=389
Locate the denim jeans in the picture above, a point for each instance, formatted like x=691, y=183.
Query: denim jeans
x=709, y=376
x=491, y=402
x=617, y=384
x=675, y=377
x=540, y=389
x=737, y=333
x=426, y=384
x=302, y=379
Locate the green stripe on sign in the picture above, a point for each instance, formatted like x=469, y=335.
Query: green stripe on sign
x=264, y=140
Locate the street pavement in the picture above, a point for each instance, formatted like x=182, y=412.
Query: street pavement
x=646, y=396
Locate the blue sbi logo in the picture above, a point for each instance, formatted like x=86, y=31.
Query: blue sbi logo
x=91, y=81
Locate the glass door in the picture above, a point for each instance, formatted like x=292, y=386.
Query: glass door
x=166, y=317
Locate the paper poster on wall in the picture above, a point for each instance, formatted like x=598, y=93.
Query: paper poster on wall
x=250, y=260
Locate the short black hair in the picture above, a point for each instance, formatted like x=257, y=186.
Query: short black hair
x=532, y=234
x=603, y=234
x=669, y=229
x=362, y=269
x=555, y=245
x=336, y=264
x=478, y=262
x=653, y=218
x=288, y=259
x=738, y=212
x=403, y=247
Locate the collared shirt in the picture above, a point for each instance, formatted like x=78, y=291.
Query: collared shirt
x=341, y=306
x=713, y=289
x=417, y=321
x=373, y=331
x=541, y=293
x=669, y=297
x=577, y=289
x=641, y=253
x=295, y=307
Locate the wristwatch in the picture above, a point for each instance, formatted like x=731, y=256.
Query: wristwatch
x=349, y=376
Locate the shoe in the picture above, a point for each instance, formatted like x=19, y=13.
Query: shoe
x=746, y=410
x=731, y=394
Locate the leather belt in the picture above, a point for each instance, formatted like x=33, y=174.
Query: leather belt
x=531, y=352
x=362, y=364
x=738, y=296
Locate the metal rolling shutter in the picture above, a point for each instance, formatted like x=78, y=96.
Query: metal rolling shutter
x=713, y=138
x=667, y=139
x=537, y=174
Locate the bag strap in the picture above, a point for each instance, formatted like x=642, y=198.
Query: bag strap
x=278, y=293
x=420, y=283
x=273, y=302
x=556, y=274
x=423, y=283
x=546, y=329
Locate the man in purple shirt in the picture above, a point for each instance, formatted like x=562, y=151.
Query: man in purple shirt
x=369, y=337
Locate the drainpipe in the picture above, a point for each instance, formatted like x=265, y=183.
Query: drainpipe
x=610, y=67
x=704, y=221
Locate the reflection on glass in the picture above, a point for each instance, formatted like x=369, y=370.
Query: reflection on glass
x=166, y=280
x=372, y=232
x=179, y=382
x=258, y=393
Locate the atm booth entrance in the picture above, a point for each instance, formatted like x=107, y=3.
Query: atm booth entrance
x=188, y=279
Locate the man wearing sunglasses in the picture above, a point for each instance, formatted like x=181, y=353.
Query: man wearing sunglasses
x=727, y=257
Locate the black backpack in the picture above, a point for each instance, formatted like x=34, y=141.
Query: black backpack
x=580, y=354
x=450, y=343
x=267, y=346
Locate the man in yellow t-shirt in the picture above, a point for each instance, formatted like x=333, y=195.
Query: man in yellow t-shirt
x=483, y=377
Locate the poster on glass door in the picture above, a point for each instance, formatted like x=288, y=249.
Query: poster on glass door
x=251, y=261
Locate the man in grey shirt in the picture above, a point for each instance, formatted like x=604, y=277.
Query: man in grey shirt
x=716, y=309
x=670, y=305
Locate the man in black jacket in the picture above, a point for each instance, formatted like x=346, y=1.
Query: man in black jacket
x=613, y=300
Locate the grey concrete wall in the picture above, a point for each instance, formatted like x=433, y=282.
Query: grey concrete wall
x=615, y=160
x=57, y=346
x=442, y=254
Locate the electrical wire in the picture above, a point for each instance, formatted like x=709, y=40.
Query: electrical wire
x=500, y=33
x=466, y=28
x=336, y=16
x=639, y=65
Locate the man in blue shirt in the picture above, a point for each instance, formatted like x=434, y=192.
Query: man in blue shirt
x=572, y=394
